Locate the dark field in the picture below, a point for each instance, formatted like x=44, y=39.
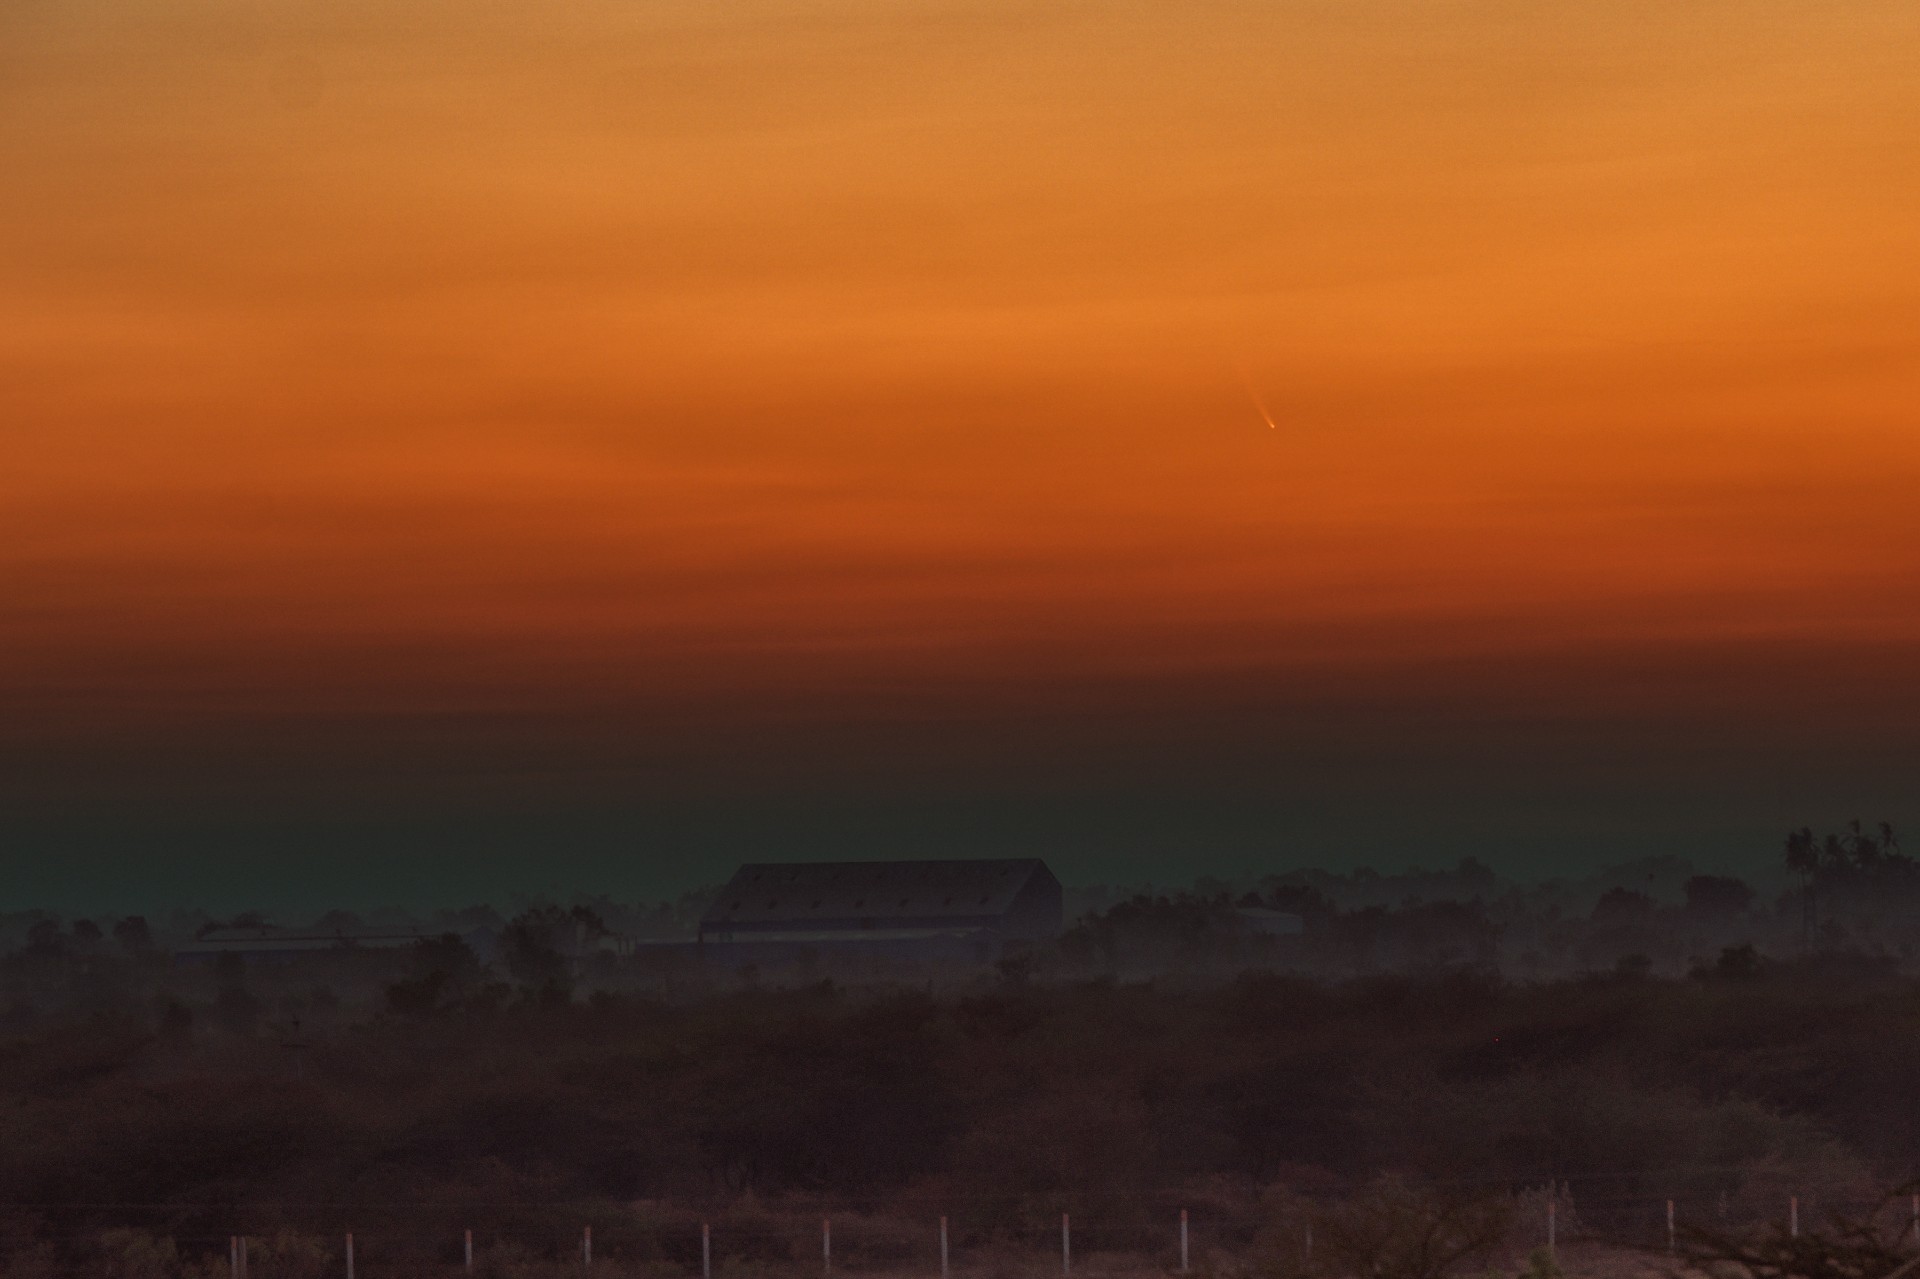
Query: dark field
x=1252, y=1102
x=1399, y=1065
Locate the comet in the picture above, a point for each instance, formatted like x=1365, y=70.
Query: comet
x=1258, y=403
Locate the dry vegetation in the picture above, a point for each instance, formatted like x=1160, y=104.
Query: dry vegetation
x=135, y=1141
x=1409, y=1120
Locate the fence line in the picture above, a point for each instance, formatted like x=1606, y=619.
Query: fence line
x=1178, y=1236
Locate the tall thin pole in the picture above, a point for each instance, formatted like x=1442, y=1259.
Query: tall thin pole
x=706, y=1251
x=586, y=1246
x=243, y=1257
x=233, y=1256
x=1066, y=1245
x=467, y=1243
x=826, y=1245
x=1309, y=1243
x=1550, y=1227
x=349, y=1254
x=1183, y=1241
x=1793, y=1216
x=943, y=1248
x=1672, y=1243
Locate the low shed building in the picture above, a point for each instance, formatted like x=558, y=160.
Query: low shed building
x=264, y=943
x=921, y=908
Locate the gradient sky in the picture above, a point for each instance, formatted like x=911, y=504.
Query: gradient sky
x=450, y=447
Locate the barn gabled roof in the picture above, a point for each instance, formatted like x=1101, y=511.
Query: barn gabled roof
x=829, y=894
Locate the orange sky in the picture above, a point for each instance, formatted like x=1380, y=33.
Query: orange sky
x=451, y=357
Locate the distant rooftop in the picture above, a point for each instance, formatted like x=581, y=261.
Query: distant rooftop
x=1275, y=922
x=268, y=939
x=821, y=900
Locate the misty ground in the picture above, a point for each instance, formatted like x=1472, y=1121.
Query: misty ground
x=1394, y=1071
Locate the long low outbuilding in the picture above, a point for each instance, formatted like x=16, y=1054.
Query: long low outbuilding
x=268, y=944
x=957, y=907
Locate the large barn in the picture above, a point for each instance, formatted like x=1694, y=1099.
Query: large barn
x=973, y=907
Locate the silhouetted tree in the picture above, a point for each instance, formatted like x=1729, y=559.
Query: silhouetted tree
x=1868, y=1247
x=134, y=935
x=1738, y=963
x=45, y=940
x=1620, y=905
x=1803, y=860
x=444, y=967
x=1717, y=895
x=1393, y=1230
x=539, y=945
